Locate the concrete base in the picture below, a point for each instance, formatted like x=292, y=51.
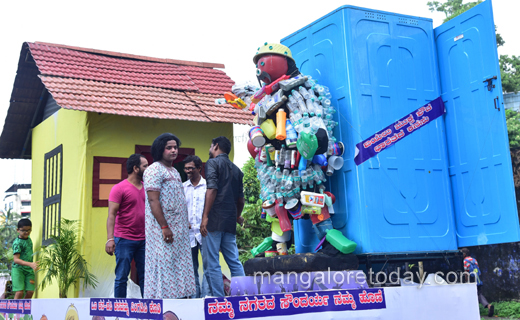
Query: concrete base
x=301, y=262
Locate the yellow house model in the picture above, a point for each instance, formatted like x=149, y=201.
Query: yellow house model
x=79, y=113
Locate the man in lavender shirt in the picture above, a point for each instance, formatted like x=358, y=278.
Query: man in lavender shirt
x=195, y=191
x=125, y=224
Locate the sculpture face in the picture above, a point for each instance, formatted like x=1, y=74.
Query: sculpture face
x=271, y=67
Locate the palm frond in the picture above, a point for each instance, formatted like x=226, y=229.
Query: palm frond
x=62, y=261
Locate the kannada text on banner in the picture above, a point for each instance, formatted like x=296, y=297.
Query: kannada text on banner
x=390, y=135
x=126, y=308
x=16, y=306
x=241, y=307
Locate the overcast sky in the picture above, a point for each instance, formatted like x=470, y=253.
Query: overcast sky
x=227, y=32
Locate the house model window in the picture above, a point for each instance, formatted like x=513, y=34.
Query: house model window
x=52, y=182
x=108, y=171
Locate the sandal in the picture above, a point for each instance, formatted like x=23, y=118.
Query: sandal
x=491, y=310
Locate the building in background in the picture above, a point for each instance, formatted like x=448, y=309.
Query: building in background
x=18, y=199
x=512, y=101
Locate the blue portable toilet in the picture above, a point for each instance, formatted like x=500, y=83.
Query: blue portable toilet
x=445, y=186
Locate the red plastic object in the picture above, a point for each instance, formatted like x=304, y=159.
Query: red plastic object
x=333, y=197
x=317, y=218
x=281, y=212
x=274, y=86
x=251, y=148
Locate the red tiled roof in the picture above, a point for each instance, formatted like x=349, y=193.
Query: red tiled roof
x=219, y=113
x=108, y=82
x=112, y=98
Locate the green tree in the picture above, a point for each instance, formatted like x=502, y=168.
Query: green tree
x=62, y=260
x=509, y=71
x=255, y=229
x=8, y=233
x=451, y=8
x=250, y=181
x=513, y=128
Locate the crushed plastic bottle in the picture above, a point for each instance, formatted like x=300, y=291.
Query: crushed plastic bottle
x=299, y=99
x=305, y=94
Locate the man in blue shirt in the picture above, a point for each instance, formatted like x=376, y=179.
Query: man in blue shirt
x=222, y=210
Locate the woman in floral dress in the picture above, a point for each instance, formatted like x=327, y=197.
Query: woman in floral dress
x=168, y=263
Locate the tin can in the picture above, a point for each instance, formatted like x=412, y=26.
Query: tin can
x=281, y=248
x=269, y=254
x=294, y=207
x=257, y=136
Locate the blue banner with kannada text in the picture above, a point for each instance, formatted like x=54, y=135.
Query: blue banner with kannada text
x=390, y=135
x=244, y=307
x=127, y=308
x=22, y=306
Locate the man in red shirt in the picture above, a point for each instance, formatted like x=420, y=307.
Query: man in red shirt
x=125, y=224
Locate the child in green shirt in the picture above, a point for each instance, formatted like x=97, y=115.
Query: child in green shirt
x=22, y=272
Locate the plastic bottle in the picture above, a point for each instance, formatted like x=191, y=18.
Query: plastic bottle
x=299, y=99
x=325, y=102
x=270, y=173
x=278, y=175
x=310, y=177
x=317, y=106
x=280, y=124
x=288, y=180
x=291, y=136
x=320, y=89
x=271, y=188
x=297, y=181
x=316, y=176
x=311, y=93
x=315, y=124
x=321, y=187
x=220, y=101
x=320, y=159
x=323, y=91
x=294, y=102
x=320, y=173
x=287, y=159
x=306, y=123
x=303, y=164
x=305, y=94
x=296, y=120
x=310, y=107
x=281, y=212
x=304, y=177
x=331, y=110
x=262, y=247
x=310, y=82
x=292, y=105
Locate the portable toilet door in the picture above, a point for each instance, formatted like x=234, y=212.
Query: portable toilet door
x=478, y=146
